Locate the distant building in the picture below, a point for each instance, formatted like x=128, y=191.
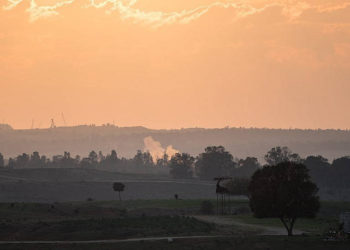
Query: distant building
x=345, y=220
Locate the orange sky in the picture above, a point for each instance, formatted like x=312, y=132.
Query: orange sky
x=173, y=64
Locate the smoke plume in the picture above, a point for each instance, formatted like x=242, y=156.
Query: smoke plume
x=156, y=149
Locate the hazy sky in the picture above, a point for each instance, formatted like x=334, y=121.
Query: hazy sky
x=173, y=64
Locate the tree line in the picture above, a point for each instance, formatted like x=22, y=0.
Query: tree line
x=216, y=161
x=213, y=162
x=94, y=160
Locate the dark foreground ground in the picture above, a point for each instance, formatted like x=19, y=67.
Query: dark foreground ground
x=233, y=243
x=120, y=220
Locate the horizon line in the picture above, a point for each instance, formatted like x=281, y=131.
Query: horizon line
x=178, y=128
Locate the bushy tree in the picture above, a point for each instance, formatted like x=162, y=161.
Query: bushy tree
x=215, y=161
x=341, y=171
x=342, y=164
x=111, y=161
x=181, y=166
x=2, y=161
x=143, y=159
x=284, y=191
x=118, y=187
x=93, y=158
x=22, y=160
x=207, y=207
x=246, y=167
x=237, y=186
x=319, y=169
x=163, y=162
x=281, y=154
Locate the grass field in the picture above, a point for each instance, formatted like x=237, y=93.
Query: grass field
x=103, y=228
x=134, y=218
x=327, y=217
x=236, y=243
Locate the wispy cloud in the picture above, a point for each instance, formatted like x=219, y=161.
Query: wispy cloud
x=127, y=10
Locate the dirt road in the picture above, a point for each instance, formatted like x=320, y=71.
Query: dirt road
x=168, y=238
x=266, y=230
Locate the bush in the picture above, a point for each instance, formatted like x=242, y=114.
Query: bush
x=207, y=207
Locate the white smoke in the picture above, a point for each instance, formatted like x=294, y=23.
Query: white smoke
x=156, y=150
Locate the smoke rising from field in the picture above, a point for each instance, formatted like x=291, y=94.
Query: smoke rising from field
x=156, y=150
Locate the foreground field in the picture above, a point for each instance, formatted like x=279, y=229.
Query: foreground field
x=91, y=220
x=236, y=243
x=155, y=224
x=103, y=228
x=104, y=220
x=62, y=185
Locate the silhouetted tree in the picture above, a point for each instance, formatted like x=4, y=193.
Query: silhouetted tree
x=93, y=158
x=143, y=159
x=281, y=154
x=181, y=166
x=163, y=162
x=215, y=161
x=316, y=163
x=246, y=167
x=67, y=161
x=101, y=157
x=22, y=161
x=207, y=207
x=237, y=186
x=342, y=164
x=2, y=161
x=341, y=171
x=111, y=161
x=118, y=187
x=319, y=169
x=57, y=161
x=11, y=163
x=85, y=163
x=284, y=191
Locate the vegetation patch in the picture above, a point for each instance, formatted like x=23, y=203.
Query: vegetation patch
x=95, y=229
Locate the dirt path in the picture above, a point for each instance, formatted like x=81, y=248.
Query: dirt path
x=266, y=230
x=168, y=238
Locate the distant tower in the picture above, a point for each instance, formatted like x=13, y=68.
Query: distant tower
x=63, y=119
x=53, y=123
x=221, y=191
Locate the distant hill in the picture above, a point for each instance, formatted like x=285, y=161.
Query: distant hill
x=240, y=142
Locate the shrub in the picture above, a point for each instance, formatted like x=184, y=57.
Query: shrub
x=207, y=207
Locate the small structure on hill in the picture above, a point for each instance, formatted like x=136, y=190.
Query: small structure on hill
x=345, y=221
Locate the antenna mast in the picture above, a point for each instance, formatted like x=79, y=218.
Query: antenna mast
x=63, y=119
x=53, y=125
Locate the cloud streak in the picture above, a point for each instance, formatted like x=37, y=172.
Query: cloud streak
x=128, y=11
